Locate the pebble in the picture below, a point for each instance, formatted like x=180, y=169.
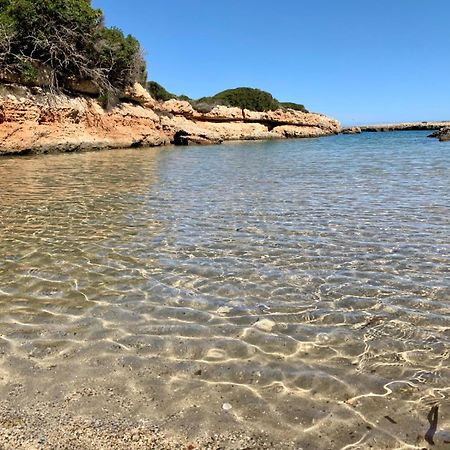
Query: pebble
x=265, y=325
x=226, y=406
x=263, y=307
x=223, y=310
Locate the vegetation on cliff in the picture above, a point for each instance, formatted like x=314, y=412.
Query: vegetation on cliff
x=294, y=106
x=243, y=97
x=66, y=40
x=65, y=44
x=158, y=92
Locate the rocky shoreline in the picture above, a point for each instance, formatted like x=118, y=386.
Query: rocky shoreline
x=443, y=134
x=34, y=120
x=404, y=126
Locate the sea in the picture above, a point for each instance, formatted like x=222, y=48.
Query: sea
x=295, y=291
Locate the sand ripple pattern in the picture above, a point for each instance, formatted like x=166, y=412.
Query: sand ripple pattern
x=306, y=284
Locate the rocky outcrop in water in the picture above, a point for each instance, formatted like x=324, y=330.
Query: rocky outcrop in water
x=443, y=134
x=33, y=120
x=351, y=130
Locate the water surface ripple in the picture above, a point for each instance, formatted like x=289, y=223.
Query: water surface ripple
x=305, y=283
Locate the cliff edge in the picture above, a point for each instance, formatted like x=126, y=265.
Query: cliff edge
x=35, y=120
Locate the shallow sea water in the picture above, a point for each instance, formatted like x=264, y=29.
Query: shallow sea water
x=298, y=289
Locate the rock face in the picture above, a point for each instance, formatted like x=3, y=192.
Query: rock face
x=443, y=134
x=34, y=121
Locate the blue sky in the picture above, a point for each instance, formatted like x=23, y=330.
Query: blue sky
x=359, y=61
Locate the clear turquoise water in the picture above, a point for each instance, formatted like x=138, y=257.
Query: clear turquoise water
x=304, y=282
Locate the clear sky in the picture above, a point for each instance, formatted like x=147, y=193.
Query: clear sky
x=360, y=61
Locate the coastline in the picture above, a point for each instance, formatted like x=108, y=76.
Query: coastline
x=401, y=126
x=36, y=121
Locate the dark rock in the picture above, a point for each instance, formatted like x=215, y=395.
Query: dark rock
x=443, y=134
x=183, y=138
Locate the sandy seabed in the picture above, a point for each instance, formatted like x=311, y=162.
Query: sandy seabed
x=45, y=429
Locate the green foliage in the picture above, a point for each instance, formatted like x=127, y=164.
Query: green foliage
x=245, y=98
x=28, y=72
x=68, y=38
x=158, y=92
x=122, y=54
x=294, y=106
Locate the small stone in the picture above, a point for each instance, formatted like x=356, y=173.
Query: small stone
x=263, y=307
x=223, y=310
x=265, y=325
x=226, y=407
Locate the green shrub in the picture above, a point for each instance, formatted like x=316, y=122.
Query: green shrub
x=245, y=98
x=28, y=72
x=123, y=56
x=294, y=106
x=69, y=38
x=158, y=92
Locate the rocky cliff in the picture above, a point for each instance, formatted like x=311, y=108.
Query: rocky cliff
x=33, y=120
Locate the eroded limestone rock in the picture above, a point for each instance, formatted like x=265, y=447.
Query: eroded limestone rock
x=37, y=121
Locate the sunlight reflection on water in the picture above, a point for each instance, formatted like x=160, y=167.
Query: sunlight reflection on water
x=304, y=283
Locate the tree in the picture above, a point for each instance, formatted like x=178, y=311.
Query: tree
x=69, y=39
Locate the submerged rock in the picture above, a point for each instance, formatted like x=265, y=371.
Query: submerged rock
x=224, y=310
x=265, y=325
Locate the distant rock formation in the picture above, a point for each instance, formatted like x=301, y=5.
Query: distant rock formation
x=443, y=134
x=351, y=130
x=33, y=120
x=405, y=126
